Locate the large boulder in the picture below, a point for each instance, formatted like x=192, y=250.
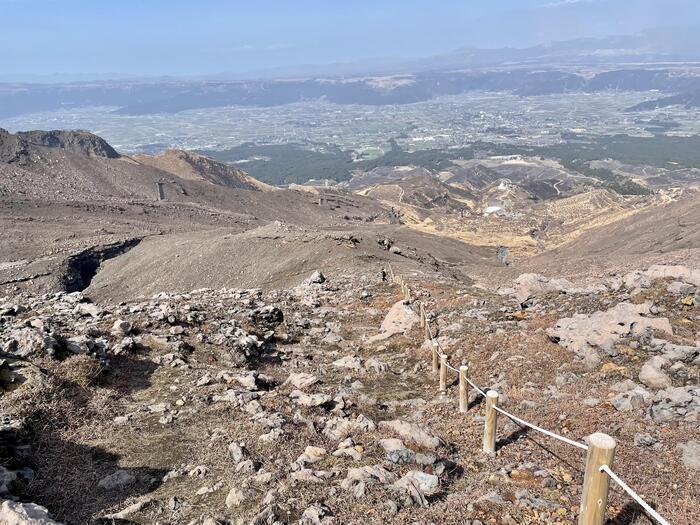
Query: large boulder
x=690, y=454
x=412, y=434
x=398, y=320
x=652, y=375
x=637, y=280
x=15, y=513
x=29, y=342
x=678, y=272
x=529, y=285
x=602, y=330
x=417, y=485
x=676, y=404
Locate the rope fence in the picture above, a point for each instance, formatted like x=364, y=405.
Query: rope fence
x=649, y=510
x=542, y=430
x=600, y=448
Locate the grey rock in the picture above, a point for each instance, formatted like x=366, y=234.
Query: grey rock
x=630, y=400
x=684, y=353
x=88, y=309
x=398, y=320
x=310, y=400
x=316, y=278
x=7, y=478
x=376, y=366
x=29, y=342
x=15, y=513
x=121, y=328
x=237, y=452
x=602, y=330
x=350, y=362
x=119, y=480
x=247, y=466
x=315, y=514
x=644, y=440
x=412, y=434
x=530, y=285
x=680, y=288
x=267, y=516
x=357, y=479
x=417, y=485
x=524, y=497
x=238, y=495
x=396, y=451
x=340, y=428
x=676, y=404
x=690, y=454
x=651, y=374
x=302, y=380
x=311, y=455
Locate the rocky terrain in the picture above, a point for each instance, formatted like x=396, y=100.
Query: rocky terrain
x=316, y=404
x=240, y=355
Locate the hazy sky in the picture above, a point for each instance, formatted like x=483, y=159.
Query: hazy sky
x=180, y=37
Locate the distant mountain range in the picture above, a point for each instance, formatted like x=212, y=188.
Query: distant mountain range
x=141, y=98
x=653, y=46
x=653, y=61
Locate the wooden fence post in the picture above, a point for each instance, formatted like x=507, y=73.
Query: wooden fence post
x=594, y=499
x=490, y=422
x=443, y=373
x=422, y=315
x=463, y=388
x=435, y=357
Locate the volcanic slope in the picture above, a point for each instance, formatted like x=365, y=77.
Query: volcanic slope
x=668, y=233
x=77, y=194
x=280, y=255
x=68, y=210
x=192, y=166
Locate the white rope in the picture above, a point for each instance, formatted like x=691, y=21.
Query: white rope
x=441, y=353
x=578, y=444
x=476, y=387
x=634, y=495
x=546, y=432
